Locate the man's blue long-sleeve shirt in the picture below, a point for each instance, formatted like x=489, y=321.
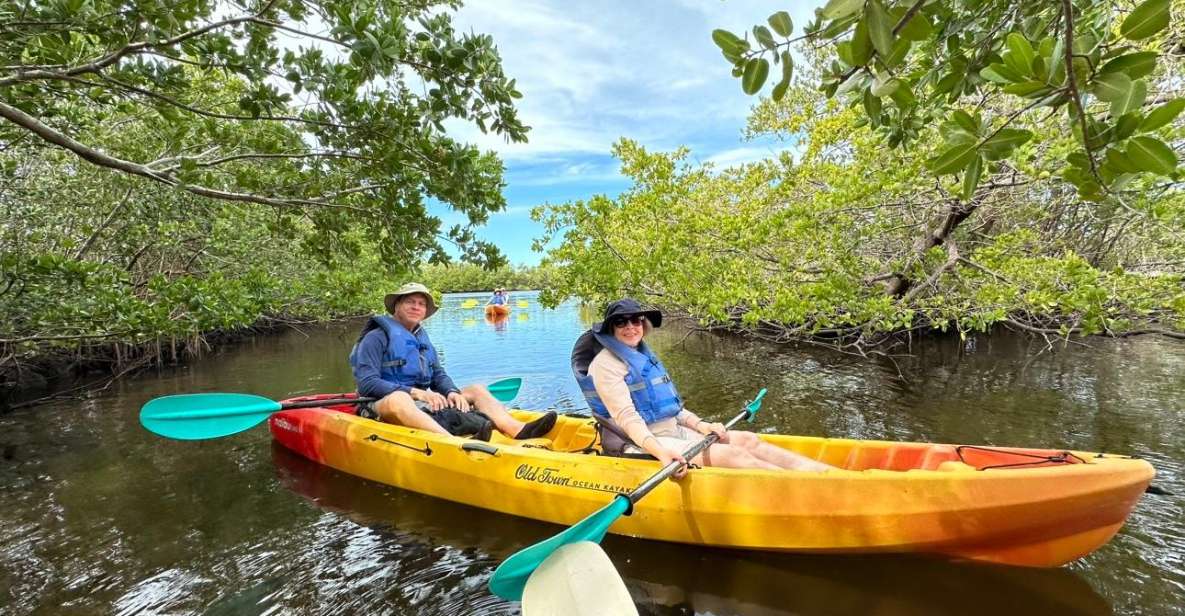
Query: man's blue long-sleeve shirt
x=368, y=370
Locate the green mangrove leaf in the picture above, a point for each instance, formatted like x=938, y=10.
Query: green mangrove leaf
x=1152, y=155
x=1146, y=20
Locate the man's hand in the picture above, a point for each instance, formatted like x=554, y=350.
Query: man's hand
x=457, y=400
x=434, y=400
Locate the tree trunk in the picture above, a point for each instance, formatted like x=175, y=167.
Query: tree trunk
x=899, y=283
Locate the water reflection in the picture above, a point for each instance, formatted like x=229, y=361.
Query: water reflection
x=498, y=322
x=672, y=579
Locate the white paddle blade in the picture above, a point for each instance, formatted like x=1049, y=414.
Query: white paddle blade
x=578, y=579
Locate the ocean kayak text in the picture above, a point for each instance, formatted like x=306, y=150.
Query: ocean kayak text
x=552, y=476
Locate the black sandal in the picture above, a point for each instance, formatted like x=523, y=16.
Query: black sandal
x=539, y=427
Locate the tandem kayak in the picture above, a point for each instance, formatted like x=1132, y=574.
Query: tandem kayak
x=1016, y=506
x=497, y=310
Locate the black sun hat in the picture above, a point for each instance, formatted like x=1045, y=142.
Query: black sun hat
x=623, y=308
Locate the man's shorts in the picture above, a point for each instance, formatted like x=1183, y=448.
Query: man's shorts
x=474, y=424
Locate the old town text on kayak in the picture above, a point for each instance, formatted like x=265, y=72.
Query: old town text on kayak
x=552, y=476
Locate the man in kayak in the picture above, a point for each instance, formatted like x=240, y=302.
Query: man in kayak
x=629, y=388
x=395, y=362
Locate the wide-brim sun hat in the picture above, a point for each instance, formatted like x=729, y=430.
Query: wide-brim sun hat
x=623, y=308
x=412, y=287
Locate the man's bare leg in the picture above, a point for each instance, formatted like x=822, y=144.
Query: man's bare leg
x=399, y=408
x=481, y=398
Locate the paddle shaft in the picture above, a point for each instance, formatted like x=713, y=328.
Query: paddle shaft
x=671, y=468
x=308, y=404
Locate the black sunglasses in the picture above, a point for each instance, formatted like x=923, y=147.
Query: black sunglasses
x=636, y=319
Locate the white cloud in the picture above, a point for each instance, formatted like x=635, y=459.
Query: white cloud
x=591, y=73
x=587, y=178
x=594, y=72
x=741, y=155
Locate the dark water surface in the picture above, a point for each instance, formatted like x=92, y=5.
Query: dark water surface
x=98, y=516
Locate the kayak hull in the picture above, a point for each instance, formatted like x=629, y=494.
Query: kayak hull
x=886, y=497
x=495, y=310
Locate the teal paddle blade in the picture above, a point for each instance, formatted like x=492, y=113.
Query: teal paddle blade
x=755, y=405
x=198, y=416
x=506, y=389
x=511, y=576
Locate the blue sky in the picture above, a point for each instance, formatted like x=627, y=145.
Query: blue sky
x=593, y=72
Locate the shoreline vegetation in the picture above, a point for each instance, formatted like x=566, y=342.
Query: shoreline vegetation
x=96, y=327
x=811, y=251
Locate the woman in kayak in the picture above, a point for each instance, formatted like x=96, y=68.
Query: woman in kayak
x=626, y=383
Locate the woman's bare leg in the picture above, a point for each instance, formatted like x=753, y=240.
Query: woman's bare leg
x=773, y=454
x=719, y=455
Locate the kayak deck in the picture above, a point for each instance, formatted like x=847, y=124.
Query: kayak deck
x=1019, y=506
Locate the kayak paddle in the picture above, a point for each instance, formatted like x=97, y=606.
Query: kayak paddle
x=578, y=580
x=200, y=416
x=511, y=576
x=506, y=389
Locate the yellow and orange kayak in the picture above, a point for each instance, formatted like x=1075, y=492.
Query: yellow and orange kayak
x=497, y=310
x=1030, y=507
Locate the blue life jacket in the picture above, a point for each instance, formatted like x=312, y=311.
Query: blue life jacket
x=408, y=359
x=653, y=394
x=498, y=300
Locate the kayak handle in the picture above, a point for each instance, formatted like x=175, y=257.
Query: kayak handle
x=479, y=446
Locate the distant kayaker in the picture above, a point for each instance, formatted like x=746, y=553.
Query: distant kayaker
x=500, y=298
x=628, y=387
x=395, y=362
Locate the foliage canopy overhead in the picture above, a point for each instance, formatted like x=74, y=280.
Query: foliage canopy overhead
x=1084, y=65
x=331, y=113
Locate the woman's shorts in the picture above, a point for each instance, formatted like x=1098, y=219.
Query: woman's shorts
x=675, y=437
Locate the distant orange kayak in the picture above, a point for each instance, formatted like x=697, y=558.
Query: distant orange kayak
x=1029, y=507
x=495, y=310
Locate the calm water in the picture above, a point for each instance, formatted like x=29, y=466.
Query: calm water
x=98, y=516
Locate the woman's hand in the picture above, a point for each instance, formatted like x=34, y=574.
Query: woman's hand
x=705, y=428
x=434, y=400
x=458, y=401
x=666, y=455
